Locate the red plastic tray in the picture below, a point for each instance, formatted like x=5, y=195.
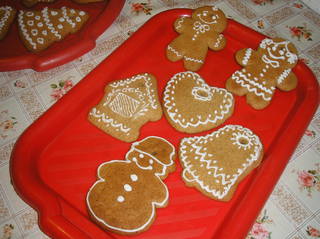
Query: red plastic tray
x=55, y=161
x=14, y=56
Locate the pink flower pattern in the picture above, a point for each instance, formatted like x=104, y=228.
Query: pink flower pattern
x=309, y=180
x=313, y=232
x=258, y=230
x=60, y=89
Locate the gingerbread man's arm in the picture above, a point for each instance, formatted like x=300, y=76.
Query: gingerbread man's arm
x=217, y=44
x=287, y=80
x=182, y=23
x=245, y=56
x=108, y=167
x=160, y=195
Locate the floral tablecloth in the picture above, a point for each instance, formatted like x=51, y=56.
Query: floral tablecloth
x=293, y=209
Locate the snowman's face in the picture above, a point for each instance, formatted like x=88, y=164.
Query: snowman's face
x=146, y=162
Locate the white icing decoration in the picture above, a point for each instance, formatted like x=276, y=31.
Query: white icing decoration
x=7, y=13
x=220, y=37
x=48, y=22
x=210, y=118
x=40, y=40
x=24, y=30
x=121, y=198
x=44, y=32
x=199, y=29
x=179, y=23
x=124, y=105
x=78, y=19
x=94, y=112
x=127, y=187
x=283, y=76
x=34, y=32
x=170, y=48
x=247, y=56
x=134, y=177
x=60, y=26
x=54, y=13
x=30, y=23
x=215, y=171
x=252, y=86
x=29, y=14
x=65, y=16
x=40, y=24
x=291, y=57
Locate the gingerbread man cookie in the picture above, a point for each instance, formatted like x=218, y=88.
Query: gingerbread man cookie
x=192, y=106
x=126, y=106
x=215, y=163
x=39, y=29
x=197, y=33
x=7, y=15
x=127, y=193
x=264, y=70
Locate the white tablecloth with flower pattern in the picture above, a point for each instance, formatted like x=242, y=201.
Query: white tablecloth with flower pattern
x=293, y=209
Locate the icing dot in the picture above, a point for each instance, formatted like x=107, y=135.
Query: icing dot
x=82, y=13
x=53, y=13
x=30, y=23
x=151, y=161
x=44, y=32
x=127, y=187
x=120, y=199
x=61, y=19
x=40, y=40
x=141, y=156
x=78, y=19
x=34, y=32
x=37, y=17
x=29, y=14
x=60, y=26
x=40, y=24
x=134, y=177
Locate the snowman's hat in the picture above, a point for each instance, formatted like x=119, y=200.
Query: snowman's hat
x=158, y=148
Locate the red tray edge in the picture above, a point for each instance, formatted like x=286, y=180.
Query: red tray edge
x=49, y=218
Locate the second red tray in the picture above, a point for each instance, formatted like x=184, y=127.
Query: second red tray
x=55, y=161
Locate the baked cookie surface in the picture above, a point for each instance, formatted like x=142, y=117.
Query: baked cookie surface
x=215, y=163
x=126, y=106
x=40, y=29
x=197, y=34
x=192, y=106
x=265, y=69
x=127, y=193
x=7, y=15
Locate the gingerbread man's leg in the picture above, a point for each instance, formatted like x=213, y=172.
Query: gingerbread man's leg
x=235, y=88
x=174, y=53
x=193, y=61
x=257, y=102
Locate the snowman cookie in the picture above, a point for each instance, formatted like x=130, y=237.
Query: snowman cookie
x=215, y=163
x=192, y=106
x=128, y=192
x=126, y=106
x=30, y=3
x=7, y=15
x=197, y=33
x=40, y=29
x=265, y=69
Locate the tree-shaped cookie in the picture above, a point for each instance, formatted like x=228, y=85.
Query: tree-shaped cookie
x=127, y=193
x=216, y=163
x=7, y=15
x=30, y=3
x=39, y=29
x=265, y=69
x=197, y=33
x=126, y=106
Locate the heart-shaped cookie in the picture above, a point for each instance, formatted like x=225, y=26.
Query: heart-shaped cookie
x=192, y=106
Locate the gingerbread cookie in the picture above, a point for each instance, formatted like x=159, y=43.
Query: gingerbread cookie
x=39, y=29
x=7, y=15
x=264, y=70
x=127, y=193
x=192, y=106
x=215, y=164
x=126, y=106
x=197, y=33
x=30, y=3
